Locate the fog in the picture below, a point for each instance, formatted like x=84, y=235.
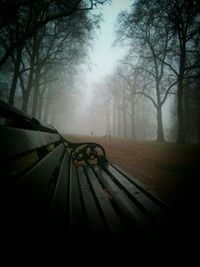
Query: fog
x=84, y=119
x=87, y=116
x=88, y=112
x=85, y=110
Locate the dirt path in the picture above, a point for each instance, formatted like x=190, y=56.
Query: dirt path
x=169, y=170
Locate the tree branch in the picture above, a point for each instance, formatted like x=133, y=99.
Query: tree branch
x=167, y=92
x=149, y=97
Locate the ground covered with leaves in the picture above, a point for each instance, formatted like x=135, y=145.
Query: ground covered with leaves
x=170, y=170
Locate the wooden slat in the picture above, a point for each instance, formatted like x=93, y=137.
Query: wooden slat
x=26, y=206
x=113, y=221
x=96, y=226
x=14, y=141
x=77, y=214
x=151, y=207
x=132, y=213
x=147, y=190
x=33, y=187
x=18, y=166
x=58, y=209
x=9, y=111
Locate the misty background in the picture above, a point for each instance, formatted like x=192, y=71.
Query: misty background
x=127, y=69
x=89, y=114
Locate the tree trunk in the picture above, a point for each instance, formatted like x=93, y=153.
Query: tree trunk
x=143, y=124
x=114, y=118
x=34, y=48
x=40, y=102
x=25, y=100
x=46, y=112
x=36, y=91
x=160, y=133
x=188, y=116
x=47, y=105
x=132, y=116
x=41, y=99
x=15, y=76
x=124, y=114
x=180, y=129
x=109, y=124
x=180, y=115
x=108, y=132
x=118, y=119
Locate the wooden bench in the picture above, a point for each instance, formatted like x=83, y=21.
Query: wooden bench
x=64, y=191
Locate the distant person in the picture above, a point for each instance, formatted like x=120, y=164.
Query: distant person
x=92, y=133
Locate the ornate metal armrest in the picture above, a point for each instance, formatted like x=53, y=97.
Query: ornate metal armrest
x=87, y=153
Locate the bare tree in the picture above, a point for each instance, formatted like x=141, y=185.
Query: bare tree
x=166, y=36
x=140, y=30
x=63, y=41
x=20, y=20
x=183, y=19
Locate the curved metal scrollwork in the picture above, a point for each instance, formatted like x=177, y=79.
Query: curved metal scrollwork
x=84, y=154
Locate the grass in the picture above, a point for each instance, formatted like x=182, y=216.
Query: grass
x=169, y=146
x=164, y=146
x=172, y=147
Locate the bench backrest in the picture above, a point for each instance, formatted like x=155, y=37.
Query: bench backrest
x=30, y=159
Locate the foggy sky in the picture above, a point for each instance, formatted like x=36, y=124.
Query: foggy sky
x=103, y=59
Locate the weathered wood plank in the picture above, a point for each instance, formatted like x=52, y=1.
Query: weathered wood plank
x=77, y=214
x=96, y=224
x=135, y=217
x=36, y=182
x=59, y=202
x=146, y=189
x=140, y=197
x=27, y=203
x=18, y=141
x=111, y=217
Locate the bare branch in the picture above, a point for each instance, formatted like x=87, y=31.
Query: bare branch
x=147, y=96
x=167, y=91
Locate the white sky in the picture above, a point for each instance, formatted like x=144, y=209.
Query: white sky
x=103, y=56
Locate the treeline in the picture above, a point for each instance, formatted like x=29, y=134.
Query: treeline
x=119, y=112
x=42, y=45
x=163, y=60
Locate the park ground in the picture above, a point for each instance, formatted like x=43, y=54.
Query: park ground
x=170, y=170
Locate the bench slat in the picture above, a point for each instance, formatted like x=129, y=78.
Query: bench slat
x=134, y=216
x=27, y=204
x=95, y=222
x=141, y=186
x=113, y=221
x=59, y=203
x=18, y=141
x=151, y=207
x=76, y=209
x=34, y=187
